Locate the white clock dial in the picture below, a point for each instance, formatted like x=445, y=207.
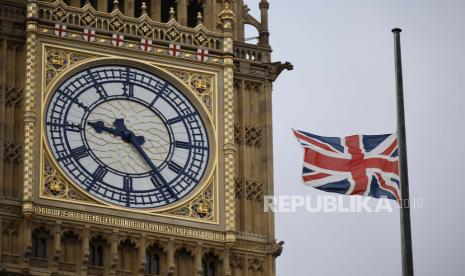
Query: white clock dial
x=127, y=136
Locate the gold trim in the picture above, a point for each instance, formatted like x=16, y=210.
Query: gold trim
x=128, y=223
x=212, y=168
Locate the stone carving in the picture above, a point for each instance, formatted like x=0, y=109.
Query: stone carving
x=253, y=136
x=237, y=261
x=237, y=134
x=12, y=153
x=277, y=248
x=13, y=97
x=254, y=190
x=255, y=263
x=238, y=187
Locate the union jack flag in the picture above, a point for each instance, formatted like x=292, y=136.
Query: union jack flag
x=353, y=165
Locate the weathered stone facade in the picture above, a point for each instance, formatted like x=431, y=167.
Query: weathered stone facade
x=50, y=227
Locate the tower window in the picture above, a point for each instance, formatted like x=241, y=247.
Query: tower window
x=165, y=9
x=39, y=247
x=96, y=255
x=153, y=264
x=152, y=258
x=39, y=243
x=192, y=11
x=209, y=265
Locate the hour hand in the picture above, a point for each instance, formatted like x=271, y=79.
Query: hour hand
x=127, y=135
x=99, y=127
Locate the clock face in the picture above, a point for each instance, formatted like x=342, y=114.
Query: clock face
x=127, y=136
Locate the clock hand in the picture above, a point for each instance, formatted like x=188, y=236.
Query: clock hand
x=99, y=127
x=129, y=137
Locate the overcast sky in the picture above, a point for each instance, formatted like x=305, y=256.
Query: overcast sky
x=342, y=84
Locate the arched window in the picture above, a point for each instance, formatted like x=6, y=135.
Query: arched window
x=97, y=252
x=209, y=265
x=193, y=9
x=39, y=247
x=99, y=256
x=39, y=243
x=165, y=9
x=152, y=264
x=153, y=260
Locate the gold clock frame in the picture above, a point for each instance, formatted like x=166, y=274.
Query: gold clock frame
x=211, y=178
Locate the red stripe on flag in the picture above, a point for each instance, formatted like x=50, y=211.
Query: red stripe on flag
x=326, y=162
x=391, y=148
x=383, y=185
x=383, y=164
x=357, y=166
x=317, y=176
x=313, y=141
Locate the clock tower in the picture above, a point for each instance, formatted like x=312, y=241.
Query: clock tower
x=136, y=138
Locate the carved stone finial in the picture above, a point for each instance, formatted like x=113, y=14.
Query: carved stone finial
x=144, y=8
x=199, y=18
x=115, y=5
x=172, y=13
x=87, y=3
x=227, y=16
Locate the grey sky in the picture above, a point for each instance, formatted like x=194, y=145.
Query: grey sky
x=343, y=83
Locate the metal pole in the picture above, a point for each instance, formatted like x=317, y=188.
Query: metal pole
x=406, y=235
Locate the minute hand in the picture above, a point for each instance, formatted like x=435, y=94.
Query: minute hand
x=141, y=151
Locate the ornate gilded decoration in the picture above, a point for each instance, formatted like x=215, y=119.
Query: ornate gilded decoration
x=201, y=207
x=230, y=64
x=88, y=19
x=173, y=34
x=200, y=39
x=57, y=187
x=116, y=25
x=58, y=60
x=59, y=14
x=202, y=84
x=30, y=108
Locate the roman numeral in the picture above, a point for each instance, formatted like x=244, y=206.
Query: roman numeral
x=181, y=144
x=74, y=100
x=67, y=126
x=101, y=91
x=100, y=173
x=180, y=118
x=127, y=183
x=159, y=182
x=128, y=89
x=175, y=167
x=80, y=152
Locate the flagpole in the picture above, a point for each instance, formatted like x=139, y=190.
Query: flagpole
x=406, y=235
